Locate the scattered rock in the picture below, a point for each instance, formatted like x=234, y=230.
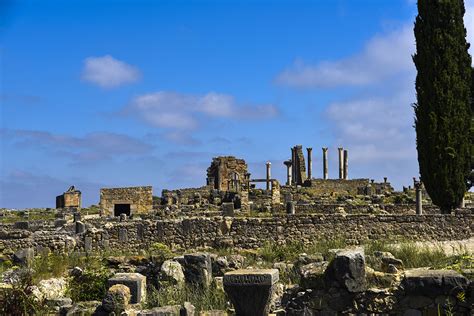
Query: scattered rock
x=172, y=271
x=198, y=268
x=117, y=299
x=347, y=271
x=24, y=257
x=134, y=281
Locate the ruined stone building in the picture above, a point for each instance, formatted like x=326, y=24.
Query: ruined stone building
x=298, y=165
x=69, y=199
x=227, y=173
x=128, y=201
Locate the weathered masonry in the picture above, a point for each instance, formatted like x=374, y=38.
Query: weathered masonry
x=69, y=199
x=128, y=201
x=227, y=173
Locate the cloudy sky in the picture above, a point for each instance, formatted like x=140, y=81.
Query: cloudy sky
x=123, y=93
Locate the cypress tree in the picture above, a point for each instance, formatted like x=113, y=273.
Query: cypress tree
x=443, y=109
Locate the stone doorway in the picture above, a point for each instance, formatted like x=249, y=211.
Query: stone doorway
x=121, y=209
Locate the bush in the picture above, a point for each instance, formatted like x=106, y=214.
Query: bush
x=161, y=251
x=90, y=286
x=19, y=300
x=50, y=265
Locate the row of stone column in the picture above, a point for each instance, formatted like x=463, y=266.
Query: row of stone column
x=343, y=165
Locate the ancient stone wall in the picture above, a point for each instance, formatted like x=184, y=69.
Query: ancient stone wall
x=226, y=173
x=339, y=186
x=70, y=198
x=186, y=196
x=248, y=232
x=139, y=198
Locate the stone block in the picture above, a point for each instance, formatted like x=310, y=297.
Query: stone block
x=135, y=282
x=228, y=209
x=347, y=271
x=290, y=207
x=174, y=310
x=76, y=217
x=123, y=235
x=80, y=227
x=60, y=222
x=88, y=244
x=198, y=268
x=24, y=256
x=21, y=225
x=432, y=283
x=172, y=271
x=250, y=290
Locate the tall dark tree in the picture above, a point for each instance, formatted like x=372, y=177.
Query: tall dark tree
x=471, y=177
x=443, y=109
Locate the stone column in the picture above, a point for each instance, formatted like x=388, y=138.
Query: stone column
x=269, y=174
x=290, y=207
x=293, y=165
x=288, y=164
x=419, y=206
x=346, y=165
x=310, y=161
x=250, y=290
x=341, y=167
x=325, y=163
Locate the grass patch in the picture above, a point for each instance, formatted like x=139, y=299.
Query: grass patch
x=203, y=298
x=415, y=256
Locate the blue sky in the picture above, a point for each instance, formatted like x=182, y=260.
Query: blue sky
x=122, y=93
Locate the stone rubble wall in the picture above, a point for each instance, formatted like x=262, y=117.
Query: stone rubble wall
x=140, y=198
x=244, y=232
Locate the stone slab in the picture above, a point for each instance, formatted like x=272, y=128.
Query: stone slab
x=136, y=282
x=251, y=277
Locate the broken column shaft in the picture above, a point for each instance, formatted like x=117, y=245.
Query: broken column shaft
x=346, y=165
x=325, y=163
x=341, y=167
x=310, y=161
x=288, y=164
x=269, y=174
x=293, y=166
x=419, y=206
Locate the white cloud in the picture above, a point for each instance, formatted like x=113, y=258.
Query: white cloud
x=383, y=56
x=186, y=112
x=108, y=72
x=97, y=146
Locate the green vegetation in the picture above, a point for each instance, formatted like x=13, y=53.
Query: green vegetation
x=415, y=256
x=443, y=111
x=27, y=215
x=207, y=298
x=18, y=300
x=90, y=285
x=160, y=252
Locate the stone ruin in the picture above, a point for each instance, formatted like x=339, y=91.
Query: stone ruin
x=71, y=199
x=302, y=211
x=227, y=174
x=127, y=201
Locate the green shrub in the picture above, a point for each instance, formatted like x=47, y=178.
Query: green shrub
x=161, y=251
x=50, y=265
x=90, y=286
x=18, y=300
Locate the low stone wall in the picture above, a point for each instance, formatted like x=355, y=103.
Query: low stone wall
x=247, y=232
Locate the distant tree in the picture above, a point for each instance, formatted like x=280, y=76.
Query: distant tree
x=443, y=108
x=471, y=176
